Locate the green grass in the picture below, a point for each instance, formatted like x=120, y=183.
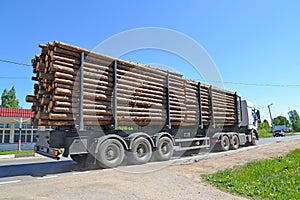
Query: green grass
x=266, y=134
x=124, y=128
x=16, y=152
x=277, y=178
x=263, y=133
x=290, y=134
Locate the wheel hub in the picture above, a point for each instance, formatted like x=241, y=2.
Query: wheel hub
x=140, y=151
x=164, y=149
x=110, y=154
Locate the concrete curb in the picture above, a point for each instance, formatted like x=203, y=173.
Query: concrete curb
x=13, y=156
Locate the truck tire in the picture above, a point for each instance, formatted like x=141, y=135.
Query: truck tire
x=164, y=150
x=235, y=142
x=225, y=143
x=253, y=138
x=110, y=154
x=141, y=151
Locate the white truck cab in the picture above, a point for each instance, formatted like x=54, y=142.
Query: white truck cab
x=250, y=116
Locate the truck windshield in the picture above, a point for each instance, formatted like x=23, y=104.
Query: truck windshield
x=256, y=114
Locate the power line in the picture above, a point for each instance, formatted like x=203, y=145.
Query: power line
x=252, y=84
x=209, y=81
x=15, y=63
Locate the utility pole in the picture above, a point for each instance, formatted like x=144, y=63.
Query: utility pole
x=272, y=121
x=20, y=131
x=20, y=134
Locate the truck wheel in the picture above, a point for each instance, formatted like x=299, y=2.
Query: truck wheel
x=235, y=143
x=141, y=151
x=110, y=153
x=225, y=144
x=253, y=138
x=164, y=149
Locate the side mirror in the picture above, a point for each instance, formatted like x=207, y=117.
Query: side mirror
x=258, y=116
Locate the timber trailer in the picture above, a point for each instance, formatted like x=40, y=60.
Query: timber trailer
x=103, y=110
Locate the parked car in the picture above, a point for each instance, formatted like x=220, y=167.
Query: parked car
x=279, y=133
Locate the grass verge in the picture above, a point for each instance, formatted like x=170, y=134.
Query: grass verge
x=16, y=152
x=276, y=178
x=264, y=133
x=290, y=134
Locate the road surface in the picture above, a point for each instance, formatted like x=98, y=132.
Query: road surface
x=24, y=168
x=47, y=173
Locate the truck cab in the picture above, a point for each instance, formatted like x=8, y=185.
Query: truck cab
x=250, y=116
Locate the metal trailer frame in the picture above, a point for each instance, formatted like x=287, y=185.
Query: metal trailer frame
x=82, y=140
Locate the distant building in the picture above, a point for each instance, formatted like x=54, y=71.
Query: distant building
x=9, y=129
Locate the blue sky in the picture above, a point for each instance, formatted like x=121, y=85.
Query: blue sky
x=251, y=42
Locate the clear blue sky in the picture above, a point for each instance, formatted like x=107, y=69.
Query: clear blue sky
x=251, y=42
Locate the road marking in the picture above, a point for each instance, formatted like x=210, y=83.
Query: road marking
x=10, y=156
x=9, y=182
x=46, y=177
x=78, y=173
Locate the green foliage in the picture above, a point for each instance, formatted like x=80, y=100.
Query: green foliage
x=3, y=98
x=281, y=120
x=264, y=133
x=16, y=152
x=264, y=129
x=295, y=120
x=277, y=178
x=9, y=99
x=264, y=125
x=124, y=128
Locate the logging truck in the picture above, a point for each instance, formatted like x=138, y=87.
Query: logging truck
x=104, y=110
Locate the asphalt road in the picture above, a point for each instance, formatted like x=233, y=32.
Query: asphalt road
x=38, y=168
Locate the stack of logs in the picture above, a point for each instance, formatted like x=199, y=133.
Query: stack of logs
x=141, y=92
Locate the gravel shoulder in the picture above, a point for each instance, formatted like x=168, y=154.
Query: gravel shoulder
x=177, y=181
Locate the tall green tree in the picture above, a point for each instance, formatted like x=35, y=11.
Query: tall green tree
x=264, y=125
x=9, y=99
x=295, y=120
x=3, y=98
x=281, y=120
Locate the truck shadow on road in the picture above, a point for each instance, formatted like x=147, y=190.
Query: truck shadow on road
x=41, y=169
x=38, y=169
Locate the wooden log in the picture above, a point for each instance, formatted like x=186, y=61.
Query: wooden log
x=46, y=76
x=223, y=98
x=64, y=59
x=147, y=68
x=61, y=98
x=96, y=112
x=62, y=104
x=107, y=58
x=61, y=116
x=42, y=115
x=139, y=87
x=30, y=98
x=222, y=91
x=44, y=101
x=55, y=123
x=63, y=81
x=64, y=64
x=63, y=69
x=64, y=76
x=223, y=104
